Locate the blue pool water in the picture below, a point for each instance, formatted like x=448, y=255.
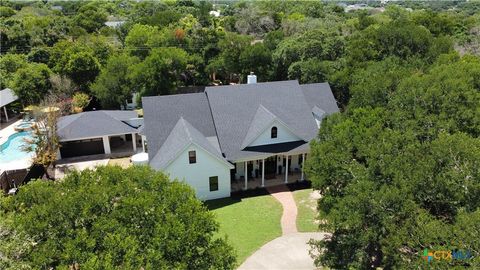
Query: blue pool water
x=12, y=149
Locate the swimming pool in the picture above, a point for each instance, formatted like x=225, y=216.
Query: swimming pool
x=12, y=149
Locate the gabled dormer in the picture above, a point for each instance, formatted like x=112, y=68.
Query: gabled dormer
x=318, y=115
x=266, y=128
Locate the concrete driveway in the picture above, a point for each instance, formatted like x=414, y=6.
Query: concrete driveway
x=289, y=251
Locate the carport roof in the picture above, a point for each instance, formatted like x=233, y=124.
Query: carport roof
x=7, y=96
x=94, y=124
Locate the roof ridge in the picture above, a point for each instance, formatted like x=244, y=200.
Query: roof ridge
x=78, y=116
x=248, y=138
x=185, y=127
x=268, y=111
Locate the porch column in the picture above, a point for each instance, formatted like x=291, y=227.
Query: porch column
x=263, y=172
x=59, y=155
x=143, y=143
x=106, y=145
x=286, y=169
x=303, y=164
x=134, y=142
x=246, y=175
x=6, y=114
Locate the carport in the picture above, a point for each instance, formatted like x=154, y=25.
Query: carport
x=97, y=132
x=6, y=97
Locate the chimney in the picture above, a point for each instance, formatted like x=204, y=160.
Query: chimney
x=252, y=78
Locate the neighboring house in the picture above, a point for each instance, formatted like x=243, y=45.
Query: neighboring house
x=236, y=137
x=99, y=132
x=114, y=24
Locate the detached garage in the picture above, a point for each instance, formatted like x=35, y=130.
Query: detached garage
x=98, y=132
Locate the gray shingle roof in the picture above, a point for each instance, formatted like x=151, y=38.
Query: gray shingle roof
x=233, y=109
x=233, y=114
x=161, y=114
x=7, y=96
x=320, y=95
x=181, y=136
x=94, y=124
x=318, y=112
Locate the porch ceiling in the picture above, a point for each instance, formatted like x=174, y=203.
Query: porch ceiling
x=276, y=148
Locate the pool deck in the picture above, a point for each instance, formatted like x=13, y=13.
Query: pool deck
x=17, y=164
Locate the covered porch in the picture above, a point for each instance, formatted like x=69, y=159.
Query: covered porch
x=268, y=171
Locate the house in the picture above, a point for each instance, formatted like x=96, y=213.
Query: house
x=235, y=137
x=99, y=132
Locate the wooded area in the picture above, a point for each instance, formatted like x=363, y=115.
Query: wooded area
x=398, y=169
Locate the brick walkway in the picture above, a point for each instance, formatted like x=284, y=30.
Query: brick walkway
x=289, y=216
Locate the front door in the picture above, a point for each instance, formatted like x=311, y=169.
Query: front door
x=270, y=167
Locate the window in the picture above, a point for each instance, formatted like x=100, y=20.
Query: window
x=192, y=157
x=274, y=132
x=213, y=183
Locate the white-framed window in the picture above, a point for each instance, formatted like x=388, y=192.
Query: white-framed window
x=273, y=132
x=192, y=157
x=213, y=182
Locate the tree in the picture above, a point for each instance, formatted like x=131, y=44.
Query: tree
x=256, y=58
x=318, y=44
x=376, y=83
x=231, y=47
x=401, y=177
x=82, y=68
x=75, y=60
x=115, y=84
x=31, y=83
x=90, y=17
x=9, y=64
x=45, y=142
x=159, y=73
x=6, y=12
x=114, y=218
x=138, y=40
x=62, y=86
x=80, y=101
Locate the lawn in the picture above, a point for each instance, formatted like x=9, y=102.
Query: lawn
x=249, y=223
x=306, y=210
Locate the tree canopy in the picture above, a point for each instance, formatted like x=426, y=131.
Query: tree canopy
x=108, y=219
x=400, y=174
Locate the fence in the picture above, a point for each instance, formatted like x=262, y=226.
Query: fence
x=19, y=177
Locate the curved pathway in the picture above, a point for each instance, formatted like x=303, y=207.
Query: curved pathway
x=289, y=216
x=291, y=250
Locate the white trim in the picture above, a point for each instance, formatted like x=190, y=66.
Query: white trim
x=263, y=172
x=5, y=110
x=134, y=142
x=106, y=145
x=226, y=163
x=245, y=145
x=94, y=137
x=290, y=153
x=246, y=176
x=286, y=169
x=303, y=165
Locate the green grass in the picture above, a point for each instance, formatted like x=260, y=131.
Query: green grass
x=248, y=223
x=306, y=210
